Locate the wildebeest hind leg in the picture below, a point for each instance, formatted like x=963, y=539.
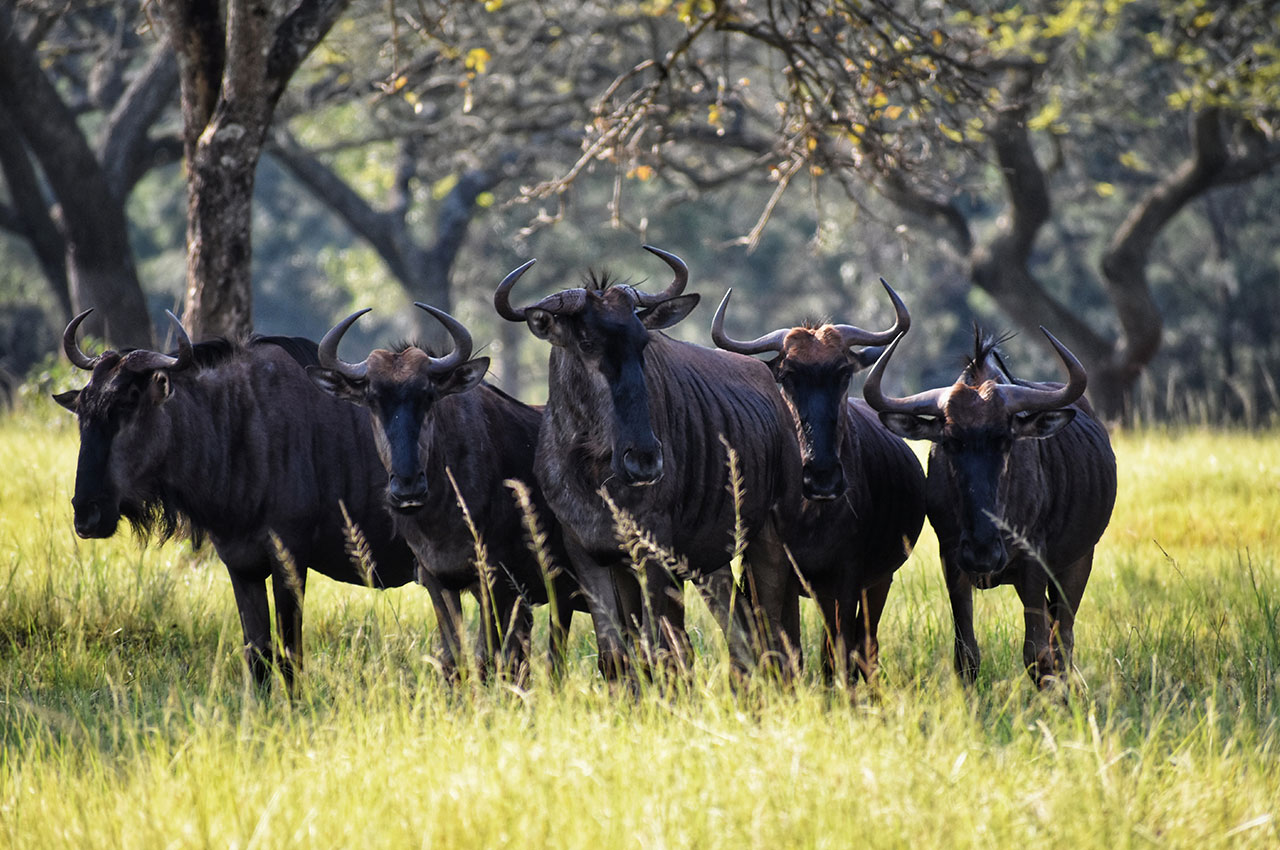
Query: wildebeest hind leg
x=1064, y=601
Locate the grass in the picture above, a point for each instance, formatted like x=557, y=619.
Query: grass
x=126, y=720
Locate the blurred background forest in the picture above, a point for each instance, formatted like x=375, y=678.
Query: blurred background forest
x=1106, y=168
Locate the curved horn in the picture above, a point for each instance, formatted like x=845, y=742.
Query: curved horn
x=926, y=403
x=677, y=285
x=461, y=341
x=502, y=296
x=72, y=348
x=328, y=350
x=760, y=345
x=1020, y=399
x=857, y=336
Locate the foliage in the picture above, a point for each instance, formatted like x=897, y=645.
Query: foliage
x=126, y=719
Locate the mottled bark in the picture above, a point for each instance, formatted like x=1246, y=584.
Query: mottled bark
x=90, y=216
x=233, y=70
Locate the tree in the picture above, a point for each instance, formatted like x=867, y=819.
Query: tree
x=929, y=105
x=234, y=65
x=81, y=237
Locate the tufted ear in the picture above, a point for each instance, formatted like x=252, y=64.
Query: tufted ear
x=336, y=384
x=161, y=387
x=70, y=399
x=464, y=377
x=547, y=325
x=667, y=313
x=1046, y=423
x=910, y=426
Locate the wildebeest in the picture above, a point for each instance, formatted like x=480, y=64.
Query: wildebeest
x=437, y=423
x=1021, y=484
x=863, y=486
x=233, y=441
x=643, y=419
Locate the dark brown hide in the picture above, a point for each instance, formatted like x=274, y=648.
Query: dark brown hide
x=235, y=447
x=433, y=417
x=864, y=488
x=1019, y=491
x=641, y=416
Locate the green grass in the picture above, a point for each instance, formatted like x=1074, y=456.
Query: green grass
x=126, y=720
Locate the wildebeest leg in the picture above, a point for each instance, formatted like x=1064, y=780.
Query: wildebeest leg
x=732, y=612
x=560, y=608
x=1037, y=655
x=504, y=631
x=866, y=627
x=776, y=595
x=834, y=654
x=668, y=643
x=289, y=587
x=1064, y=601
x=960, y=590
x=448, y=608
x=608, y=601
x=250, y=588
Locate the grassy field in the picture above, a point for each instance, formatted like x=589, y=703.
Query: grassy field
x=127, y=721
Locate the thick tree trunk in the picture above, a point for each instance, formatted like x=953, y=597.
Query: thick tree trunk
x=100, y=270
x=233, y=70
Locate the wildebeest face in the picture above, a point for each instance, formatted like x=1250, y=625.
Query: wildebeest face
x=608, y=336
x=121, y=441
x=812, y=369
x=974, y=437
x=813, y=373
x=401, y=389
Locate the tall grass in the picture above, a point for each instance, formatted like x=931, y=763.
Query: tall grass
x=127, y=720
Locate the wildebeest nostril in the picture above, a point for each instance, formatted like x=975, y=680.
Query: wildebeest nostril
x=642, y=466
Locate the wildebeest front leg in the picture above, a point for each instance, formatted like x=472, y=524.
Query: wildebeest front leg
x=288, y=587
x=865, y=649
x=613, y=598
x=1037, y=654
x=960, y=591
x=504, y=630
x=668, y=643
x=732, y=612
x=448, y=608
x=250, y=589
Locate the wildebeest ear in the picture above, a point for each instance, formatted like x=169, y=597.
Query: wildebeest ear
x=667, y=313
x=464, y=377
x=69, y=399
x=335, y=384
x=1046, y=423
x=909, y=426
x=161, y=387
x=546, y=325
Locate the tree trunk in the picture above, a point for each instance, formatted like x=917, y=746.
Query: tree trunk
x=232, y=72
x=100, y=270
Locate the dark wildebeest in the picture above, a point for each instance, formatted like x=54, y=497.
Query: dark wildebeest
x=643, y=419
x=433, y=419
x=1021, y=485
x=863, y=486
x=235, y=442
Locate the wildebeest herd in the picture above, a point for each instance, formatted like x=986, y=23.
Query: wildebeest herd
x=654, y=462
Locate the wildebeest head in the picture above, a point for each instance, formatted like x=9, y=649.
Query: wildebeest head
x=813, y=369
x=974, y=425
x=120, y=439
x=400, y=388
x=605, y=329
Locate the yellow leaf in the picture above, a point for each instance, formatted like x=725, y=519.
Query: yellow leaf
x=478, y=59
x=492, y=5
x=641, y=172
x=485, y=199
x=892, y=112
x=879, y=99
x=950, y=133
x=399, y=83
x=1104, y=189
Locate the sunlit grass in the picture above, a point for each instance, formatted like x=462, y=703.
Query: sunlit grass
x=126, y=719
